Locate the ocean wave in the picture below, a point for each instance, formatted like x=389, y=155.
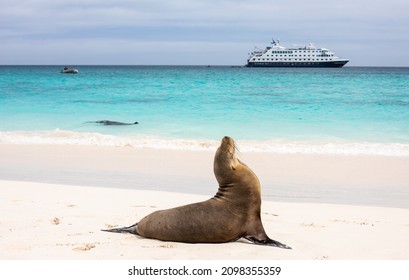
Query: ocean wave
x=63, y=137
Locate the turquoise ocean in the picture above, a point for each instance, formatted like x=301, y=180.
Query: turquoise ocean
x=352, y=110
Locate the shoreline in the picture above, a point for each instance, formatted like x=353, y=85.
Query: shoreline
x=357, y=180
x=326, y=146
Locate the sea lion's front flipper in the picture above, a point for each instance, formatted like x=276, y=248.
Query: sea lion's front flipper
x=267, y=242
x=130, y=229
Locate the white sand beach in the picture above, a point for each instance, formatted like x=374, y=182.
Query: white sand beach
x=54, y=200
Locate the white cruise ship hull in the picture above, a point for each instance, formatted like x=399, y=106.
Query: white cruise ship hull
x=323, y=64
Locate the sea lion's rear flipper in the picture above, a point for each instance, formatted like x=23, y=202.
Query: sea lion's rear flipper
x=267, y=242
x=130, y=229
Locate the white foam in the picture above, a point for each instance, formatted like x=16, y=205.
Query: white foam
x=338, y=148
x=63, y=137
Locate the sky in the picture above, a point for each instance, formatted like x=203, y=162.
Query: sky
x=198, y=32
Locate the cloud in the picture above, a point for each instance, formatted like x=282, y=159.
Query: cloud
x=124, y=52
x=53, y=16
x=203, y=24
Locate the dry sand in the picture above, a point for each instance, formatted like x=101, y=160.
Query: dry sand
x=55, y=199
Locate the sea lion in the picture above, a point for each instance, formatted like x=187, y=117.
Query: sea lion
x=233, y=213
x=107, y=122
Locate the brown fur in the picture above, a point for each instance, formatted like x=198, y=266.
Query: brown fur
x=233, y=213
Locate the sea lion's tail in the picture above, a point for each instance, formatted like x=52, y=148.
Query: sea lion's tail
x=130, y=229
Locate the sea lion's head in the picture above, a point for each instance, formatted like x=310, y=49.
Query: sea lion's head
x=231, y=172
x=225, y=160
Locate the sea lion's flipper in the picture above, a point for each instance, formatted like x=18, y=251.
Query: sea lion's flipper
x=130, y=229
x=274, y=243
x=267, y=242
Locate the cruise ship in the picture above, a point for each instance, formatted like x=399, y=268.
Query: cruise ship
x=307, y=56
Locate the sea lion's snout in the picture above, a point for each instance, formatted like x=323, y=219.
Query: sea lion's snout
x=227, y=145
x=227, y=140
x=225, y=160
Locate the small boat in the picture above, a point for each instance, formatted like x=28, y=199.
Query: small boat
x=69, y=71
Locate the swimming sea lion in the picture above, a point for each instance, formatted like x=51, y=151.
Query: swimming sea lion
x=107, y=122
x=233, y=213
